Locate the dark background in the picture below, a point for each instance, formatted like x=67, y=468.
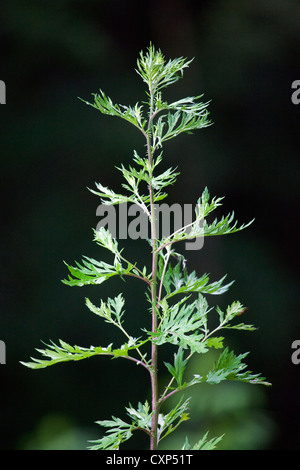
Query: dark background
x=53, y=147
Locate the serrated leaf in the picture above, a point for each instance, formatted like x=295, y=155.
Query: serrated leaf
x=203, y=444
x=64, y=352
x=105, y=105
x=215, y=342
x=158, y=73
x=181, y=324
x=92, y=272
x=200, y=227
x=141, y=415
x=111, y=310
x=231, y=367
x=177, y=281
x=119, y=431
x=167, y=423
x=178, y=369
x=232, y=311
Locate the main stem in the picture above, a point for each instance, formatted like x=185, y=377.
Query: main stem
x=154, y=384
x=154, y=381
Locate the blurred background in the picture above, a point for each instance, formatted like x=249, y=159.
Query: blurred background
x=53, y=147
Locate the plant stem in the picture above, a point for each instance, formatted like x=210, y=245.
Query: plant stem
x=162, y=277
x=154, y=381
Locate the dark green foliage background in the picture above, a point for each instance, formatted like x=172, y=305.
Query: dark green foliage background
x=53, y=147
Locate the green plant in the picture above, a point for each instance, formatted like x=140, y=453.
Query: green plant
x=176, y=317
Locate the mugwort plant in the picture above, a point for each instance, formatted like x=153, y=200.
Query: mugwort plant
x=179, y=312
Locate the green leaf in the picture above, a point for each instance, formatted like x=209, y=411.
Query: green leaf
x=119, y=431
x=180, y=325
x=167, y=423
x=64, y=352
x=105, y=105
x=95, y=272
x=134, y=177
x=166, y=178
x=141, y=416
x=111, y=310
x=177, y=281
x=108, y=196
x=203, y=444
x=104, y=238
x=172, y=124
x=231, y=367
x=89, y=272
x=215, y=342
x=232, y=311
x=179, y=366
x=200, y=227
x=224, y=226
x=156, y=72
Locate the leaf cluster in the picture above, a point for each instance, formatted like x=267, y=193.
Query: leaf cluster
x=119, y=431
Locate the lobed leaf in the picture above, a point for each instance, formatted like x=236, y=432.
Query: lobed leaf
x=177, y=281
x=92, y=272
x=64, y=352
x=179, y=367
x=156, y=72
x=167, y=423
x=119, y=431
x=105, y=105
x=231, y=367
x=111, y=310
x=172, y=124
x=181, y=325
x=203, y=444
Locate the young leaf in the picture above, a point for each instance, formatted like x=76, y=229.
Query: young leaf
x=156, y=72
x=200, y=227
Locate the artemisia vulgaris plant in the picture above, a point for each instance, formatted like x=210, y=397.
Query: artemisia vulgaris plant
x=178, y=299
